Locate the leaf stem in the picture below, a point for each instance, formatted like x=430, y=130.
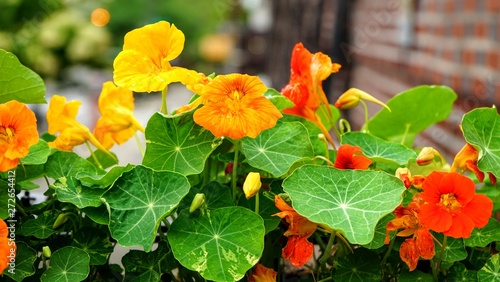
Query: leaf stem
x=138, y=140
x=257, y=203
x=326, y=254
x=235, y=169
x=163, y=108
x=93, y=155
x=389, y=250
x=437, y=265
x=403, y=140
x=365, y=108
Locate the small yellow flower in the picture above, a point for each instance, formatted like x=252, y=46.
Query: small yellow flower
x=353, y=96
x=252, y=184
x=144, y=63
x=117, y=123
x=61, y=118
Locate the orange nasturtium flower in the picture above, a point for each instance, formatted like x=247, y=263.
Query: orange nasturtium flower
x=452, y=205
x=262, y=274
x=144, y=63
x=421, y=244
x=298, y=249
x=466, y=160
x=17, y=133
x=61, y=117
x=7, y=247
x=351, y=157
x=307, y=72
x=117, y=123
x=234, y=107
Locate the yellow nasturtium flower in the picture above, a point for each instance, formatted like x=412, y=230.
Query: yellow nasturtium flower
x=144, y=63
x=61, y=118
x=117, y=123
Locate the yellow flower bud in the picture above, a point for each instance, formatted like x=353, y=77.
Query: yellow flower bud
x=46, y=251
x=351, y=98
x=198, y=201
x=252, y=184
x=427, y=155
x=404, y=174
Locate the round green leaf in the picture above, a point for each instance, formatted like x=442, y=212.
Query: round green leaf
x=139, y=265
x=454, y=250
x=19, y=82
x=276, y=149
x=38, y=154
x=481, y=129
x=95, y=242
x=67, y=264
x=99, y=214
x=491, y=270
x=220, y=244
x=363, y=265
x=70, y=190
x=178, y=144
x=319, y=146
x=458, y=272
x=102, y=181
x=139, y=200
x=64, y=164
x=379, y=150
x=40, y=227
x=25, y=257
x=380, y=232
x=349, y=201
x=415, y=276
x=279, y=101
x=480, y=237
x=412, y=111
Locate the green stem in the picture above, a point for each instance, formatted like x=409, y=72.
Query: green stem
x=257, y=203
x=163, y=108
x=365, y=108
x=93, y=155
x=141, y=149
x=235, y=170
x=437, y=265
x=20, y=209
x=389, y=250
x=326, y=254
x=405, y=134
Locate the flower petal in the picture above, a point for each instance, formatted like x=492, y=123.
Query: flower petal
x=434, y=217
x=297, y=250
x=479, y=209
x=461, y=227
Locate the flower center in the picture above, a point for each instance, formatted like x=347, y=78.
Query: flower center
x=6, y=134
x=236, y=95
x=450, y=202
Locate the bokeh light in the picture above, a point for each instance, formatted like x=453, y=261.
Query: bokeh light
x=100, y=17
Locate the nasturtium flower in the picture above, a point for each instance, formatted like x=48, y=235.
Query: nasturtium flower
x=234, y=107
x=18, y=133
x=466, y=160
x=421, y=245
x=351, y=157
x=61, y=118
x=7, y=247
x=297, y=250
x=452, y=205
x=144, y=63
x=262, y=274
x=117, y=123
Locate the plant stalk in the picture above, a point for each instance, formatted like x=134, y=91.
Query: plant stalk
x=235, y=170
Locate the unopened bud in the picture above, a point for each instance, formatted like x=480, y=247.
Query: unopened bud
x=352, y=97
x=252, y=184
x=427, y=155
x=198, y=201
x=321, y=136
x=404, y=174
x=46, y=251
x=61, y=219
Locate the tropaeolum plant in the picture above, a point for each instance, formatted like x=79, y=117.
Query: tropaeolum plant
x=245, y=182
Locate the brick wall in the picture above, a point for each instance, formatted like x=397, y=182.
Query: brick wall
x=398, y=44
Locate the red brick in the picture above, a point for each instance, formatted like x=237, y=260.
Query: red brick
x=449, y=6
x=468, y=57
x=493, y=5
x=439, y=30
x=480, y=29
x=493, y=59
x=458, y=29
x=470, y=5
x=448, y=54
x=456, y=82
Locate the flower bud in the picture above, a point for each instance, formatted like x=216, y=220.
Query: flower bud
x=252, y=184
x=404, y=174
x=351, y=98
x=61, y=219
x=198, y=201
x=427, y=155
x=46, y=251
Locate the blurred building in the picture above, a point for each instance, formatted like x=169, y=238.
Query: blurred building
x=386, y=47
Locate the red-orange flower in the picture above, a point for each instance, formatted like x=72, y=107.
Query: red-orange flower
x=351, y=157
x=7, y=247
x=307, y=72
x=235, y=108
x=452, y=205
x=421, y=244
x=466, y=160
x=298, y=250
x=17, y=133
x=262, y=274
